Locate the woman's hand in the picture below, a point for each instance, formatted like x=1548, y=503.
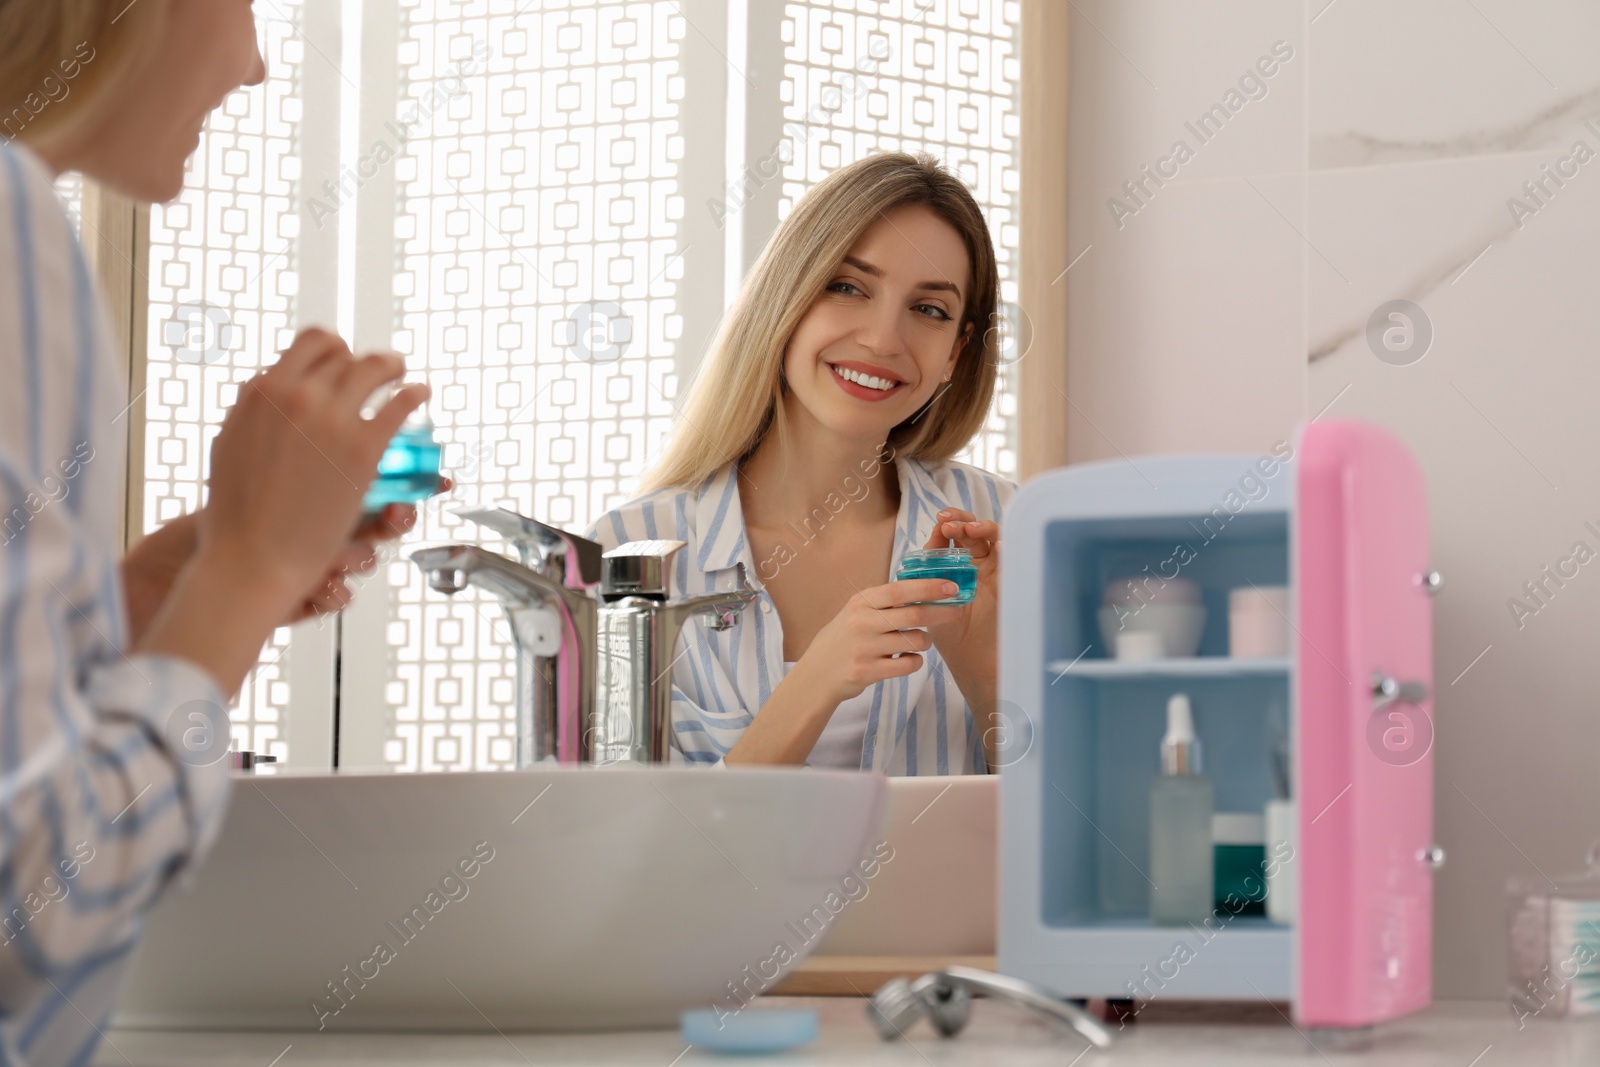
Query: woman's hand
x=970, y=636
x=969, y=641
x=878, y=634
x=358, y=557
x=289, y=469
x=295, y=458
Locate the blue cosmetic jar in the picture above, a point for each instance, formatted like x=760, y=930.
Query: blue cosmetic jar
x=952, y=564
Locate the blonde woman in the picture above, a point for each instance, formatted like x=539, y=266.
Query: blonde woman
x=813, y=451
x=113, y=673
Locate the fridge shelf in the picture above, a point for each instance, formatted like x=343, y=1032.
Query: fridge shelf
x=1188, y=667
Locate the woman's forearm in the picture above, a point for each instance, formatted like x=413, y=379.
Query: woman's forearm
x=788, y=725
x=149, y=570
x=217, y=615
x=979, y=684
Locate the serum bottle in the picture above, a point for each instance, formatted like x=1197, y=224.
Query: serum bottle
x=1180, y=825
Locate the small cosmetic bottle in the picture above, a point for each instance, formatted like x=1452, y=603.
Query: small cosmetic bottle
x=1181, y=853
x=409, y=469
x=951, y=564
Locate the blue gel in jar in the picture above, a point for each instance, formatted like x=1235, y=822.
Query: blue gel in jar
x=409, y=469
x=951, y=564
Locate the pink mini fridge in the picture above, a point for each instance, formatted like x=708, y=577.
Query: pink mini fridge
x=1341, y=722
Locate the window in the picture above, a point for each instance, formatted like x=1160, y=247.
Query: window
x=70, y=189
x=526, y=197
x=914, y=77
x=223, y=280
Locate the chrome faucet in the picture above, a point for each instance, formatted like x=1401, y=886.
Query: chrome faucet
x=548, y=602
x=638, y=627
x=593, y=631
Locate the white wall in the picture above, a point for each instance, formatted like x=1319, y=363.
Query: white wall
x=1233, y=305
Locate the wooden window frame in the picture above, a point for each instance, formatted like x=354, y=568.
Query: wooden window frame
x=1042, y=216
x=116, y=242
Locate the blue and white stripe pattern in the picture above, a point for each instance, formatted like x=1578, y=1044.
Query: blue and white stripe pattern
x=919, y=724
x=96, y=814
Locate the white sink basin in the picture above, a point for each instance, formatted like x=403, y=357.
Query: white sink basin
x=613, y=898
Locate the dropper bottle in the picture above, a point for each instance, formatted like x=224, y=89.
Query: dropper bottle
x=1181, y=803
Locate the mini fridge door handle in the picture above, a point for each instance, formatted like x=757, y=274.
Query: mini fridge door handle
x=1387, y=690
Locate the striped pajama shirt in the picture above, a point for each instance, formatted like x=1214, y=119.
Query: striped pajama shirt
x=97, y=816
x=919, y=724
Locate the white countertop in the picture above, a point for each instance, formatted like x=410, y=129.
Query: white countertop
x=1448, y=1035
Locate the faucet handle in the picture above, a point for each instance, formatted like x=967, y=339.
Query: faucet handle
x=572, y=560
x=719, y=610
x=638, y=568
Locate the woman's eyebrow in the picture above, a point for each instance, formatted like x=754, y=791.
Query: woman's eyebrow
x=863, y=266
x=876, y=272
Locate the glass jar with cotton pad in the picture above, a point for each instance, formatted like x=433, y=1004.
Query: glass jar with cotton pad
x=1555, y=943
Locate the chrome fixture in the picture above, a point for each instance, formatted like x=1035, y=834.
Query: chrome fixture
x=946, y=998
x=594, y=633
x=639, y=625
x=548, y=601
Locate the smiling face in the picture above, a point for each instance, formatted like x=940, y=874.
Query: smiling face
x=149, y=124
x=884, y=334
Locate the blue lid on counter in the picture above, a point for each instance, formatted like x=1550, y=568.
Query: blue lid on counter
x=753, y=1030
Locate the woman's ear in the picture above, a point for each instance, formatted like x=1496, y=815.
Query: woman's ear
x=955, y=351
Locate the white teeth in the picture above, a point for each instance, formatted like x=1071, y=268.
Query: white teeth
x=881, y=384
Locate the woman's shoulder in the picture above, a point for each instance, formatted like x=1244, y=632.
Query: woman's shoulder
x=28, y=195
x=979, y=491
x=659, y=513
x=39, y=253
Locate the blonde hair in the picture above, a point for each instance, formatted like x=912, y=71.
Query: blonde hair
x=734, y=401
x=53, y=51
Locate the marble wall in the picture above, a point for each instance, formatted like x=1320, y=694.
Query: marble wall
x=1444, y=152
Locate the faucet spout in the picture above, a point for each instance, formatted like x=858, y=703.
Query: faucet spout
x=720, y=610
x=555, y=553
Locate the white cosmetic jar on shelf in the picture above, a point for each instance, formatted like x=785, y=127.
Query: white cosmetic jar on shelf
x=1258, y=621
x=1142, y=617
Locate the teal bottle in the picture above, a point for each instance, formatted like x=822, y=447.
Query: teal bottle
x=409, y=470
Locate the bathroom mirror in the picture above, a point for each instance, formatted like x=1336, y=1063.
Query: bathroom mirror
x=548, y=211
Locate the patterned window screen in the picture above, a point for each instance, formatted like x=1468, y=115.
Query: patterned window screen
x=536, y=267
x=536, y=162
x=935, y=76
x=222, y=275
